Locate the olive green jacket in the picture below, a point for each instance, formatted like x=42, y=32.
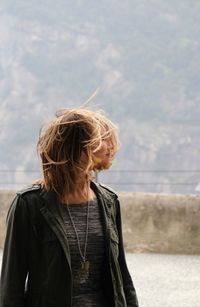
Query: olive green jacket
x=36, y=269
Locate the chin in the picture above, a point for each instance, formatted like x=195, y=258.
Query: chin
x=102, y=166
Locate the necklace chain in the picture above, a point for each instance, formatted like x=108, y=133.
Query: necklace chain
x=83, y=255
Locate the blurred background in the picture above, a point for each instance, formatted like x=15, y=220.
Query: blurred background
x=140, y=57
x=139, y=60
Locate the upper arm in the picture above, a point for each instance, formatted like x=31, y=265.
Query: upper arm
x=129, y=289
x=15, y=254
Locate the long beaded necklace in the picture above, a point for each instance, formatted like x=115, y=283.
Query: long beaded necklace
x=85, y=264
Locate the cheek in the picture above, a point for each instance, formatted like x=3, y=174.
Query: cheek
x=97, y=158
x=102, y=151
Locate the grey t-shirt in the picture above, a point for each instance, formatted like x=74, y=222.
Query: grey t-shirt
x=87, y=293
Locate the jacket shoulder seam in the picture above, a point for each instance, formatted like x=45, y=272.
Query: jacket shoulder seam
x=33, y=187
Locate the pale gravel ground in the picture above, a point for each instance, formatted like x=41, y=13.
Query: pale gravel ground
x=165, y=280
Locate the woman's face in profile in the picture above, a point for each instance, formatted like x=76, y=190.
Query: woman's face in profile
x=104, y=156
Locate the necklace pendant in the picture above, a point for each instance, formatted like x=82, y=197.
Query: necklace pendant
x=84, y=271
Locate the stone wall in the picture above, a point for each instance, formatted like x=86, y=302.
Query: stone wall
x=163, y=223
x=151, y=222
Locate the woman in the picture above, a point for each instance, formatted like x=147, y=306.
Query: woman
x=64, y=245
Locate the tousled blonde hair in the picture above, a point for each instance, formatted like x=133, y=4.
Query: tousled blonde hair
x=67, y=147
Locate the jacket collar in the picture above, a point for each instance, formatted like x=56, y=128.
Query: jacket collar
x=50, y=201
x=104, y=194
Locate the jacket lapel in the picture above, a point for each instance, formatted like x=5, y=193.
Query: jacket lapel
x=51, y=213
x=106, y=203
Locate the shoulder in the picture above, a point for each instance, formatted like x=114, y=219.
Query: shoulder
x=108, y=189
x=23, y=200
x=105, y=191
x=25, y=196
x=31, y=192
x=29, y=189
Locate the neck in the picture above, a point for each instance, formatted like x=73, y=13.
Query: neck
x=82, y=193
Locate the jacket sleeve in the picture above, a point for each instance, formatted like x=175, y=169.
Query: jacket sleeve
x=15, y=257
x=129, y=290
